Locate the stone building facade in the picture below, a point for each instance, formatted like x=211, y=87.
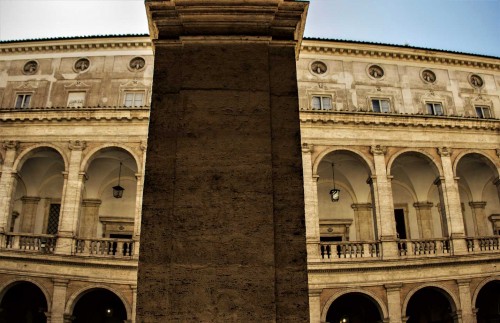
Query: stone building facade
x=407, y=137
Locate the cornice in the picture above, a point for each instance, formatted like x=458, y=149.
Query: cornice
x=74, y=114
x=373, y=51
x=398, y=120
x=83, y=44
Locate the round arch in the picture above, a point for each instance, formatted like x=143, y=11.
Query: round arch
x=25, y=155
x=368, y=163
x=480, y=286
x=10, y=283
x=87, y=160
x=75, y=297
x=491, y=163
x=452, y=298
x=434, y=162
x=377, y=301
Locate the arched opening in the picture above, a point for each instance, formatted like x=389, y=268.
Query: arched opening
x=418, y=206
x=354, y=308
x=488, y=303
x=23, y=302
x=102, y=214
x=478, y=195
x=99, y=306
x=352, y=217
x=37, y=195
x=430, y=304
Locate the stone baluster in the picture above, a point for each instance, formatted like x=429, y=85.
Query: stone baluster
x=311, y=203
x=451, y=203
x=7, y=186
x=59, y=299
x=384, y=203
x=394, y=302
x=73, y=185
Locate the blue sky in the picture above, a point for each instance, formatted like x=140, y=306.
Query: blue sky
x=471, y=26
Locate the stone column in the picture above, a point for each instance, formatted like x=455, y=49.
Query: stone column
x=223, y=232
x=134, y=303
x=363, y=217
x=311, y=204
x=424, y=219
x=59, y=300
x=394, y=302
x=315, y=305
x=89, y=218
x=465, y=301
x=137, y=215
x=384, y=201
x=71, y=199
x=480, y=221
x=7, y=185
x=451, y=201
x=28, y=213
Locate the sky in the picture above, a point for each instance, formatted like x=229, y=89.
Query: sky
x=470, y=26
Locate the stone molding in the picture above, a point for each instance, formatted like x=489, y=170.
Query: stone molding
x=76, y=115
x=378, y=150
x=77, y=145
x=444, y=151
x=478, y=204
x=8, y=145
x=423, y=205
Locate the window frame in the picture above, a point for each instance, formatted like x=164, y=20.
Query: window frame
x=380, y=99
x=482, y=108
x=84, y=98
x=321, y=98
x=134, y=93
x=433, y=104
x=23, y=102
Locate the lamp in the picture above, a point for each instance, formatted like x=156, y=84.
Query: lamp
x=118, y=190
x=334, y=192
x=344, y=319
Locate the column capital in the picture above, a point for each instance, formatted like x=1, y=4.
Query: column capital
x=393, y=287
x=77, y=145
x=361, y=206
x=444, y=151
x=378, y=150
x=91, y=202
x=462, y=282
x=438, y=180
x=307, y=148
x=10, y=145
x=423, y=205
x=60, y=282
x=315, y=291
x=478, y=204
x=30, y=199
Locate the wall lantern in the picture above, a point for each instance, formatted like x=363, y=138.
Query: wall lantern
x=334, y=192
x=344, y=319
x=118, y=190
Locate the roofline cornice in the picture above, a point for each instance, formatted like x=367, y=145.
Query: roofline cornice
x=80, y=44
x=398, y=53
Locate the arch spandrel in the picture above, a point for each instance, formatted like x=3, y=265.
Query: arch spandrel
x=367, y=160
x=94, y=152
x=27, y=152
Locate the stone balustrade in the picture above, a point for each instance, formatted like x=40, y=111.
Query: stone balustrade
x=436, y=246
x=483, y=244
x=44, y=243
x=104, y=247
x=349, y=250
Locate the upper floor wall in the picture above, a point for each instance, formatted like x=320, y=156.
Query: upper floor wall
x=85, y=72
x=343, y=76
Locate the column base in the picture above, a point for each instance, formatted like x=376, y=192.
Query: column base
x=459, y=246
x=64, y=244
x=389, y=249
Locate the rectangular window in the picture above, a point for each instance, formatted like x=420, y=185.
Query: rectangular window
x=23, y=101
x=321, y=103
x=76, y=99
x=53, y=223
x=381, y=105
x=434, y=108
x=483, y=112
x=134, y=99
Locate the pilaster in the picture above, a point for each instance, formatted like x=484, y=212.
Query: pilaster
x=310, y=203
x=28, y=213
x=363, y=217
x=394, y=302
x=7, y=183
x=71, y=199
x=89, y=218
x=59, y=300
x=384, y=200
x=315, y=305
x=465, y=301
x=424, y=219
x=480, y=221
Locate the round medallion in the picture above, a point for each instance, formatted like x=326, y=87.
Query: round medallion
x=428, y=76
x=318, y=67
x=376, y=71
x=137, y=63
x=476, y=81
x=82, y=65
x=30, y=67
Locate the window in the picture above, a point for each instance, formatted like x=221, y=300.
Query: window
x=53, y=223
x=76, y=99
x=134, y=99
x=483, y=112
x=381, y=105
x=321, y=102
x=23, y=101
x=434, y=108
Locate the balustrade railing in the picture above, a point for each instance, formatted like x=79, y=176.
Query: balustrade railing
x=483, y=244
x=105, y=247
x=44, y=243
x=421, y=247
x=349, y=250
